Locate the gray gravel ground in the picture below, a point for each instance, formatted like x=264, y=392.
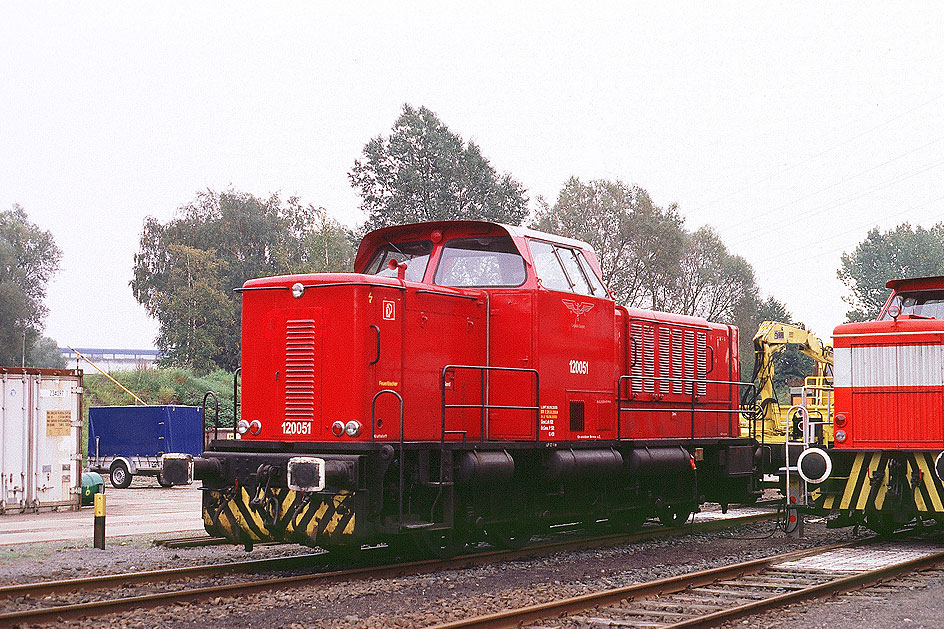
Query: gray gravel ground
x=427, y=599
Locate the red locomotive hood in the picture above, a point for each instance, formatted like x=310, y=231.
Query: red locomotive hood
x=909, y=325
x=310, y=279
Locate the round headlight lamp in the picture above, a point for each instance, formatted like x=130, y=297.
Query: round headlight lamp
x=255, y=426
x=337, y=428
x=242, y=426
x=298, y=289
x=352, y=428
x=840, y=436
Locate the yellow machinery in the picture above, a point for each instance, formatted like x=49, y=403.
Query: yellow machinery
x=768, y=421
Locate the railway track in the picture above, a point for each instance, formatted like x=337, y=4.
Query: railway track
x=709, y=597
x=70, y=599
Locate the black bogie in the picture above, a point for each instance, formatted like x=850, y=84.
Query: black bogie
x=444, y=496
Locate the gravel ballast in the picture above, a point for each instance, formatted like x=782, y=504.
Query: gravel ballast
x=428, y=599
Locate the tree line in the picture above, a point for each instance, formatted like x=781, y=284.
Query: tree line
x=186, y=269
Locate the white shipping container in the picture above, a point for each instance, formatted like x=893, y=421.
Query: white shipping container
x=40, y=439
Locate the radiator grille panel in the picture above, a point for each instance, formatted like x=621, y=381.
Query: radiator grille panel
x=702, y=368
x=300, y=369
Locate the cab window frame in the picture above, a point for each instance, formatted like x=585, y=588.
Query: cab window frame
x=444, y=257
x=582, y=266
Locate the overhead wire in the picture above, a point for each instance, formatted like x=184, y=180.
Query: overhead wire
x=853, y=230
x=825, y=151
x=769, y=229
x=774, y=227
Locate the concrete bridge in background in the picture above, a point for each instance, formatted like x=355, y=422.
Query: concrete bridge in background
x=111, y=359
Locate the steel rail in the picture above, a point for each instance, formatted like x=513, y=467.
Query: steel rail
x=672, y=585
x=45, y=588
x=108, y=606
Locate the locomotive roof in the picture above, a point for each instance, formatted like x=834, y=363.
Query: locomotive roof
x=918, y=283
x=370, y=241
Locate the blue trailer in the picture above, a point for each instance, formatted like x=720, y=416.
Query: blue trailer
x=128, y=440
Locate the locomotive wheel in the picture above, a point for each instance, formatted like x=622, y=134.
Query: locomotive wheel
x=442, y=544
x=675, y=515
x=510, y=536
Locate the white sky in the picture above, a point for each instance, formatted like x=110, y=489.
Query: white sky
x=792, y=129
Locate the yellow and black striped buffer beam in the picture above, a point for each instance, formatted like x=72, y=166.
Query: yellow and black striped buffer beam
x=864, y=485
x=281, y=515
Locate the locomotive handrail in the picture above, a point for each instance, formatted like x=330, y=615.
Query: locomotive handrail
x=216, y=418
x=441, y=294
x=377, y=357
x=242, y=289
x=693, y=394
x=236, y=376
x=373, y=414
x=485, y=406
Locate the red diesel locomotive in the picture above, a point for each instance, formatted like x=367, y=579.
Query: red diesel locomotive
x=469, y=381
x=885, y=468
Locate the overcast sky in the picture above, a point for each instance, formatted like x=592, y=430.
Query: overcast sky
x=791, y=129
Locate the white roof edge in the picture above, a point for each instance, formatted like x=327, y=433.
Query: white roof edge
x=525, y=232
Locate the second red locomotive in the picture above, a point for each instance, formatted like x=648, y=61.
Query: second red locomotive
x=469, y=380
x=886, y=465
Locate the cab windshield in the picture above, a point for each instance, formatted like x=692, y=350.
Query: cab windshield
x=920, y=303
x=489, y=261
x=414, y=254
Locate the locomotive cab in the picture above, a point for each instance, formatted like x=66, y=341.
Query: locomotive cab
x=468, y=380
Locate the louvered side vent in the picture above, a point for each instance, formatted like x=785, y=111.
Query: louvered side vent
x=300, y=370
x=689, y=360
x=665, y=349
x=702, y=364
x=638, y=357
x=677, y=356
x=649, y=357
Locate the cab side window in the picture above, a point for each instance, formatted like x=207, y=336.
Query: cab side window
x=564, y=269
x=548, y=267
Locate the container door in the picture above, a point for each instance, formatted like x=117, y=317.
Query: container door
x=14, y=441
x=59, y=425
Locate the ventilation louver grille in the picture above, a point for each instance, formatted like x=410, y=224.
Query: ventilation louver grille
x=300, y=369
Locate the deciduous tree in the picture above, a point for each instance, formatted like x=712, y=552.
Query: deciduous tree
x=29, y=258
x=882, y=256
x=186, y=270
x=639, y=244
x=714, y=284
x=423, y=171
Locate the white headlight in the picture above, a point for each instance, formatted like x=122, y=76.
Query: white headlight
x=840, y=436
x=298, y=289
x=352, y=428
x=242, y=426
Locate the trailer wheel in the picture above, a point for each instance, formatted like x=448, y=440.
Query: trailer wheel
x=162, y=482
x=119, y=475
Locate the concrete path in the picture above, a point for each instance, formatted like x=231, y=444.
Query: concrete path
x=145, y=508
